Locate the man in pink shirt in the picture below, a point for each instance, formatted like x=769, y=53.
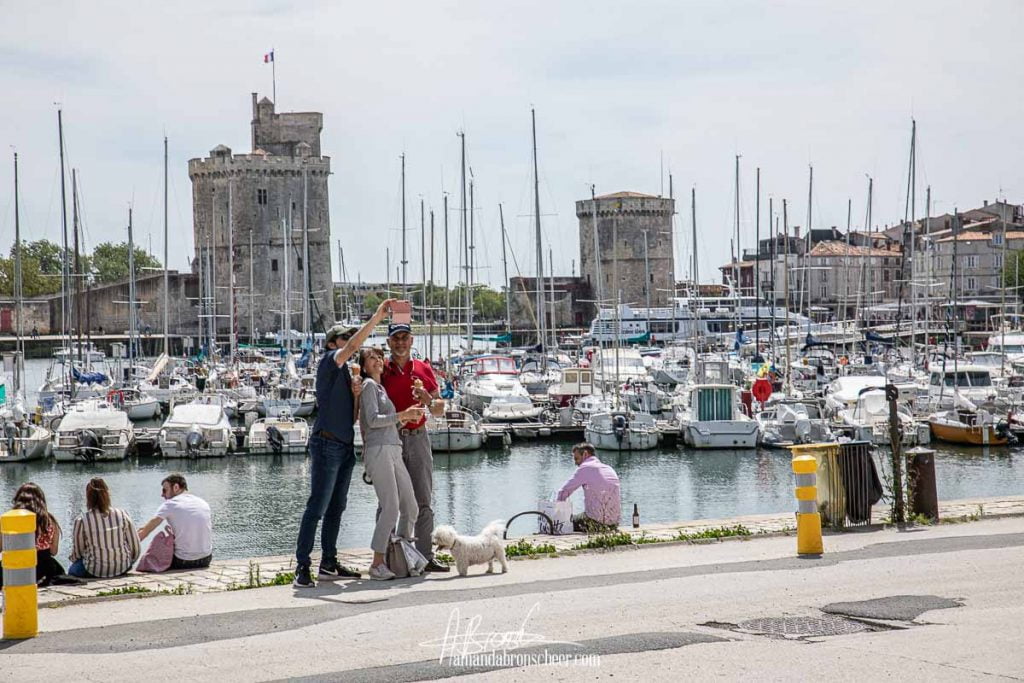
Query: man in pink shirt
x=602, y=503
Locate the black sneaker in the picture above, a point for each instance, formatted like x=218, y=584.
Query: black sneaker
x=303, y=579
x=435, y=566
x=330, y=571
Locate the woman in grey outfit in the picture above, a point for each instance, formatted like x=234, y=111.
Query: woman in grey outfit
x=382, y=453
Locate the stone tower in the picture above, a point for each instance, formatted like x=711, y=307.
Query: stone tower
x=279, y=189
x=622, y=220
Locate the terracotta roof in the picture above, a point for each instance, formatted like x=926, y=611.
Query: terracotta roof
x=626, y=195
x=970, y=236
x=832, y=248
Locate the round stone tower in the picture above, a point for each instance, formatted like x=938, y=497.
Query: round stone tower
x=623, y=219
x=274, y=198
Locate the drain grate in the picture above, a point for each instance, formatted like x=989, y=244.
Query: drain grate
x=802, y=627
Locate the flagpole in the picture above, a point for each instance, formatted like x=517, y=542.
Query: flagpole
x=273, y=74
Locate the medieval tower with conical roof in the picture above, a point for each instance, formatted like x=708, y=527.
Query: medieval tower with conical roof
x=274, y=198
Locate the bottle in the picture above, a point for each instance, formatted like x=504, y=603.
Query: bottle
x=355, y=369
x=636, y=516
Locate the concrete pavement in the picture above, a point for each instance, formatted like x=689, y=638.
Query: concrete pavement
x=653, y=612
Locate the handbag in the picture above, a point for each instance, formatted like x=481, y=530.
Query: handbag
x=403, y=559
x=159, y=554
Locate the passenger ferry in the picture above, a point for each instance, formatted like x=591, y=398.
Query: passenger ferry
x=691, y=317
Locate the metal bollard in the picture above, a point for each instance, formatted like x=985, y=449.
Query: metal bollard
x=21, y=600
x=808, y=519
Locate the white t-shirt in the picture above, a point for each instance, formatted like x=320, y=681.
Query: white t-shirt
x=189, y=518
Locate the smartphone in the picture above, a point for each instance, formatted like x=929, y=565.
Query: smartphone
x=401, y=312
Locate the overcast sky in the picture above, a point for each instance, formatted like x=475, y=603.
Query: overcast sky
x=621, y=89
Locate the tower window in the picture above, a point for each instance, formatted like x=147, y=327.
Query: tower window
x=261, y=196
x=273, y=265
x=300, y=263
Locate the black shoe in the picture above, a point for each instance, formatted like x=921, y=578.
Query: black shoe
x=303, y=579
x=329, y=571
x=435, y=566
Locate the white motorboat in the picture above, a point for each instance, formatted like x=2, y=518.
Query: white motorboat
x=92, y=431
x=511, y=409
x=868, y=419
x=613, y=366
x=490, y=377
x=85, y=352
x=169, y=388
x=455, y=431
x=789, y=422
x=711, y=418
x=971, y=382
x=196, y=430
x=281, y=434
x=138, y=405
x=842, y=394
x=622, y=431
x=20, y=440
x=537, y=375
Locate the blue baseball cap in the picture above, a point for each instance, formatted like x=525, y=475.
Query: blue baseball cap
x=395, y=328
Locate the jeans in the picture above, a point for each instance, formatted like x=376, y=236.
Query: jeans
x=78, y=569
x=331, y=464
x=201, y=563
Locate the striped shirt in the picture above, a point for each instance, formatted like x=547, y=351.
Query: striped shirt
x=108, y=544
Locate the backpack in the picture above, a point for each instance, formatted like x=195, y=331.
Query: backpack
x=403, y=559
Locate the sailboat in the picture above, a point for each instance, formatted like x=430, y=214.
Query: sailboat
x=21, y=440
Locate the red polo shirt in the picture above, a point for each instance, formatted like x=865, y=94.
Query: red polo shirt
x=399, y=382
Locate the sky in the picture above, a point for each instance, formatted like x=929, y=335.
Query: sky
x=625, y=93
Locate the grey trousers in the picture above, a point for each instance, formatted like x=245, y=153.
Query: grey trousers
x=419, y=461
x=396, y=499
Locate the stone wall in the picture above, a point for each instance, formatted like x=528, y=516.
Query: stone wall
x=36, y=312
x=261, y=193
x=569, y=309
x=622, y=220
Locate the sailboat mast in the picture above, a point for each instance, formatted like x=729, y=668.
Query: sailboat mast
x=64, y=233
x=167, y=335
x=757, y=266
x=405, y=261
x=736, y=256
x=597, y=251
x=430, y=285
x=307, y=286
x=807, y=244
x=541, y=318
x=447, y=288
x=469, y=267
x=232, y=338
x=131, y=289
x=928, y=277
x=78, y=264
x=504, y=268
x=423, y=259
x=785, y=288
x=18, y=290
x=287, y=242
x=693, y=218
x=252, y=294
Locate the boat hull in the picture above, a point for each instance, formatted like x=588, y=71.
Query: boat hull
x=631, y=440
x=721, y=434
x=968, y=435
x=455, y=440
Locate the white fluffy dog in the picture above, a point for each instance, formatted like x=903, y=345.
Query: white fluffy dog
x=470, y=550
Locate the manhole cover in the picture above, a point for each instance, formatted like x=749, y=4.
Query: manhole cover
x=802, y=627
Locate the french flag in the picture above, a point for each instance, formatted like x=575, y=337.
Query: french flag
x=269, y=57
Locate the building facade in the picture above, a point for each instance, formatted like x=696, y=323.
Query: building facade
x=276, y=200
x=634, y=247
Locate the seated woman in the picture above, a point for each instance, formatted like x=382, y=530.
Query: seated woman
x=30, y=497
x=382, y=453
x=106, y=543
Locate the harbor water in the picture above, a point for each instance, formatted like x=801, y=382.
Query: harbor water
x=258, y=500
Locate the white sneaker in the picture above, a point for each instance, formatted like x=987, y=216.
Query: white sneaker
x=381, y=573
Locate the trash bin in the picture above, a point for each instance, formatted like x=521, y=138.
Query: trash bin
x=924, y=497
x=848, y=483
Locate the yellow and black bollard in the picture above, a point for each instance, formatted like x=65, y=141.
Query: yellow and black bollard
x=21, y=603
x=808, y=519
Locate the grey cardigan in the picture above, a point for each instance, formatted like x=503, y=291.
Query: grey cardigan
x=377, y=417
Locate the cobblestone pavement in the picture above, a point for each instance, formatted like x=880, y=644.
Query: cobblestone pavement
x=247, y=573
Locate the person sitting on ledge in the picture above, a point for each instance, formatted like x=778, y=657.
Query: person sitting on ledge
x=602, y=505
x=104, y=540
x=188, y=516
